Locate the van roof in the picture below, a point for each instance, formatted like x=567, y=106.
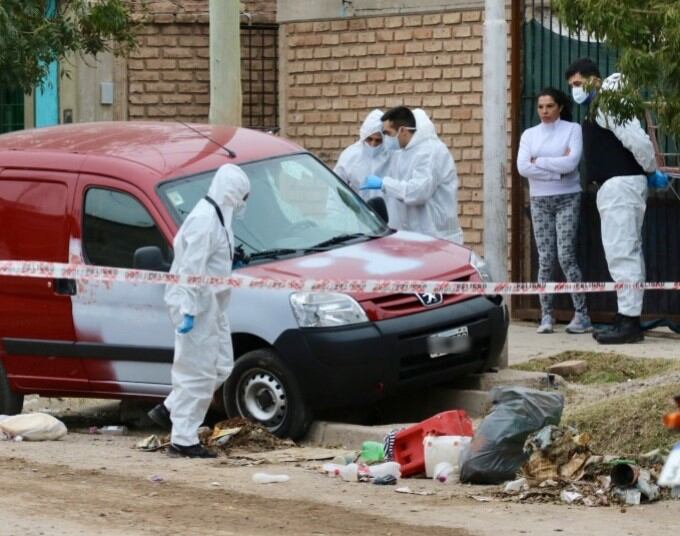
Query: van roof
x=162, y=149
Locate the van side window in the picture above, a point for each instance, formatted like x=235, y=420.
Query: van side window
x=115, y=226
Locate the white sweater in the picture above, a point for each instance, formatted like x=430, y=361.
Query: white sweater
x=553, y=172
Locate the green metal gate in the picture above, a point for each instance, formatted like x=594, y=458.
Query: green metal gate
x=547, y=50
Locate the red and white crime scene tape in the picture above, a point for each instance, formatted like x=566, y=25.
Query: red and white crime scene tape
x=83, y=272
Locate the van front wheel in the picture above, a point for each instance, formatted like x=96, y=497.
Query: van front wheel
x=11, y=403
x=261, y=389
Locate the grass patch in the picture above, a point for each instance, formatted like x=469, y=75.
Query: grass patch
x=627, y=425
x=604, y=367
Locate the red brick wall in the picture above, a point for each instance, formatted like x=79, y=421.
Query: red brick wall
x=169, y=73
x=339, y=70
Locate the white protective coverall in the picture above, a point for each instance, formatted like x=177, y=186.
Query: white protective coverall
x=621, y=202
x=359, y=160
x=421, y=187
x=203, y=357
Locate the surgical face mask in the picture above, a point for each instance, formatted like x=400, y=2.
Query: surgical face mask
x=240, y=211
x=580, y=95
x=391, y=143
x=371, y=150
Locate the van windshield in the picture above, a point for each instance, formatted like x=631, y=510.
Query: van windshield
x=295, y=204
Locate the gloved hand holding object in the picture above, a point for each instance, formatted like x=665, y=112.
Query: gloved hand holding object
x=372, y=182
x=658, y=179
x=187, y=324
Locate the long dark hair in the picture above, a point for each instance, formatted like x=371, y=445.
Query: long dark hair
x=561, y=99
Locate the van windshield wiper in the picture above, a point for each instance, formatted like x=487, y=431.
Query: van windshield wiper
x=273, y=253
x=340, y=239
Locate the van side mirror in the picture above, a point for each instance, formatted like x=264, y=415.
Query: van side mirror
x=150, y=258
x=379, y=207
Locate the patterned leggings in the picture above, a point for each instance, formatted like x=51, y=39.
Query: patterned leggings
x=555, y=222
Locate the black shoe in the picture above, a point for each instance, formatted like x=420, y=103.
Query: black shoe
x=599, y=330
x=626, y=330
x=160, y=415
x=194, y=451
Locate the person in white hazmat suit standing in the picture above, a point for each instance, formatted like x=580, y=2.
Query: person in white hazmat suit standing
x=204, y=357
x=367, y=156
x=421, y=185
x=619, y=158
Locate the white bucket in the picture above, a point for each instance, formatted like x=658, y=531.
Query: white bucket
x=443, y=449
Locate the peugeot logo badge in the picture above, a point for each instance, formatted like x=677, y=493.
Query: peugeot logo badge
x=430, y=299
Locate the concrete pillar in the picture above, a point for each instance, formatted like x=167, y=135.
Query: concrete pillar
x=225, y=62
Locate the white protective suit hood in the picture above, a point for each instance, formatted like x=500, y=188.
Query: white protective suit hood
x=425, y=129
x=228, y=188
x=371, y=124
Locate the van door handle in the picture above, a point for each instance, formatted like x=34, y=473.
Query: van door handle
x=65, y=287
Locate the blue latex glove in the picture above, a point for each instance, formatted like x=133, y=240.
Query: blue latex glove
x=372, y=182
x=187, y=324
x=657, y=179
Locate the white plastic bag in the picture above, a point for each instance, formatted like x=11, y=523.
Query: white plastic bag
x=33, y=427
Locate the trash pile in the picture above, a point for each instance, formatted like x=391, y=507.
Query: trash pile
x=561, y=468
x=431, y=447
x=226, y=435
x=519, y=445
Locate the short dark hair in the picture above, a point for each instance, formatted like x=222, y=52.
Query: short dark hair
x=583, y=66
x=560, y=98
x=400, y=116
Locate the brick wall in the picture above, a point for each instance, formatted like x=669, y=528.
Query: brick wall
x=336, y=71
x=169, y=73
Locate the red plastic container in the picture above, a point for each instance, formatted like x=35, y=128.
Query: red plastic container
x=408, y=443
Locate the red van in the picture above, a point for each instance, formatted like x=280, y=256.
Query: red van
x=114, y=194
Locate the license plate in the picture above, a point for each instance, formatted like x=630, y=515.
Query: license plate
x=452, y=341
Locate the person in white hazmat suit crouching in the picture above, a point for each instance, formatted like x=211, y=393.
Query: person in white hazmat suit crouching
x=366, y=156
x=204, y=357
x=421, y=184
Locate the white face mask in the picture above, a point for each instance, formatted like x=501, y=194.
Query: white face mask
x=579, y=94
x=240, y=211
x=371, y=150
x=391, y=143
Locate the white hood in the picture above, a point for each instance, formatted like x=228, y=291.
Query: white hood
x=371, y=125
x=229, y=187
x=425, y=129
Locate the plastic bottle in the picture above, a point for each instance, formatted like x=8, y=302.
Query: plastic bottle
x=372, y=451
x=444, y=473
x=349, y=472
x=384, y=469
x=266, y=478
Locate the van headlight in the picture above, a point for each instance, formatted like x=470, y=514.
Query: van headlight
x=326, y=309
x=482, y=268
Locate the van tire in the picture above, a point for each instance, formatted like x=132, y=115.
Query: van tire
x=259, y=377
x=11, y=403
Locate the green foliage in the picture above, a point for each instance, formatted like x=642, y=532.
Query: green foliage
x=647, y=35
x=30, y=38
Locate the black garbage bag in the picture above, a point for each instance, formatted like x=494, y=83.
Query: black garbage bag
x=496, y=452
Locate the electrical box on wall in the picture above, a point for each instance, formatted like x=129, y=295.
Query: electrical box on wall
x=106, y=93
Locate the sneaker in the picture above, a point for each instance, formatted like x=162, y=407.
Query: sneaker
x=580, y=324
x=626, y=330
x=546, y=325
x=192, y=451
x=160, y=415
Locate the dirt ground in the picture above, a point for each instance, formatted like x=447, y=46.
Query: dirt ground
x=95, y=484
x=87, y=484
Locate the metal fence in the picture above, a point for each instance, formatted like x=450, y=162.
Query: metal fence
x=547, y=48
x=259, y=76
